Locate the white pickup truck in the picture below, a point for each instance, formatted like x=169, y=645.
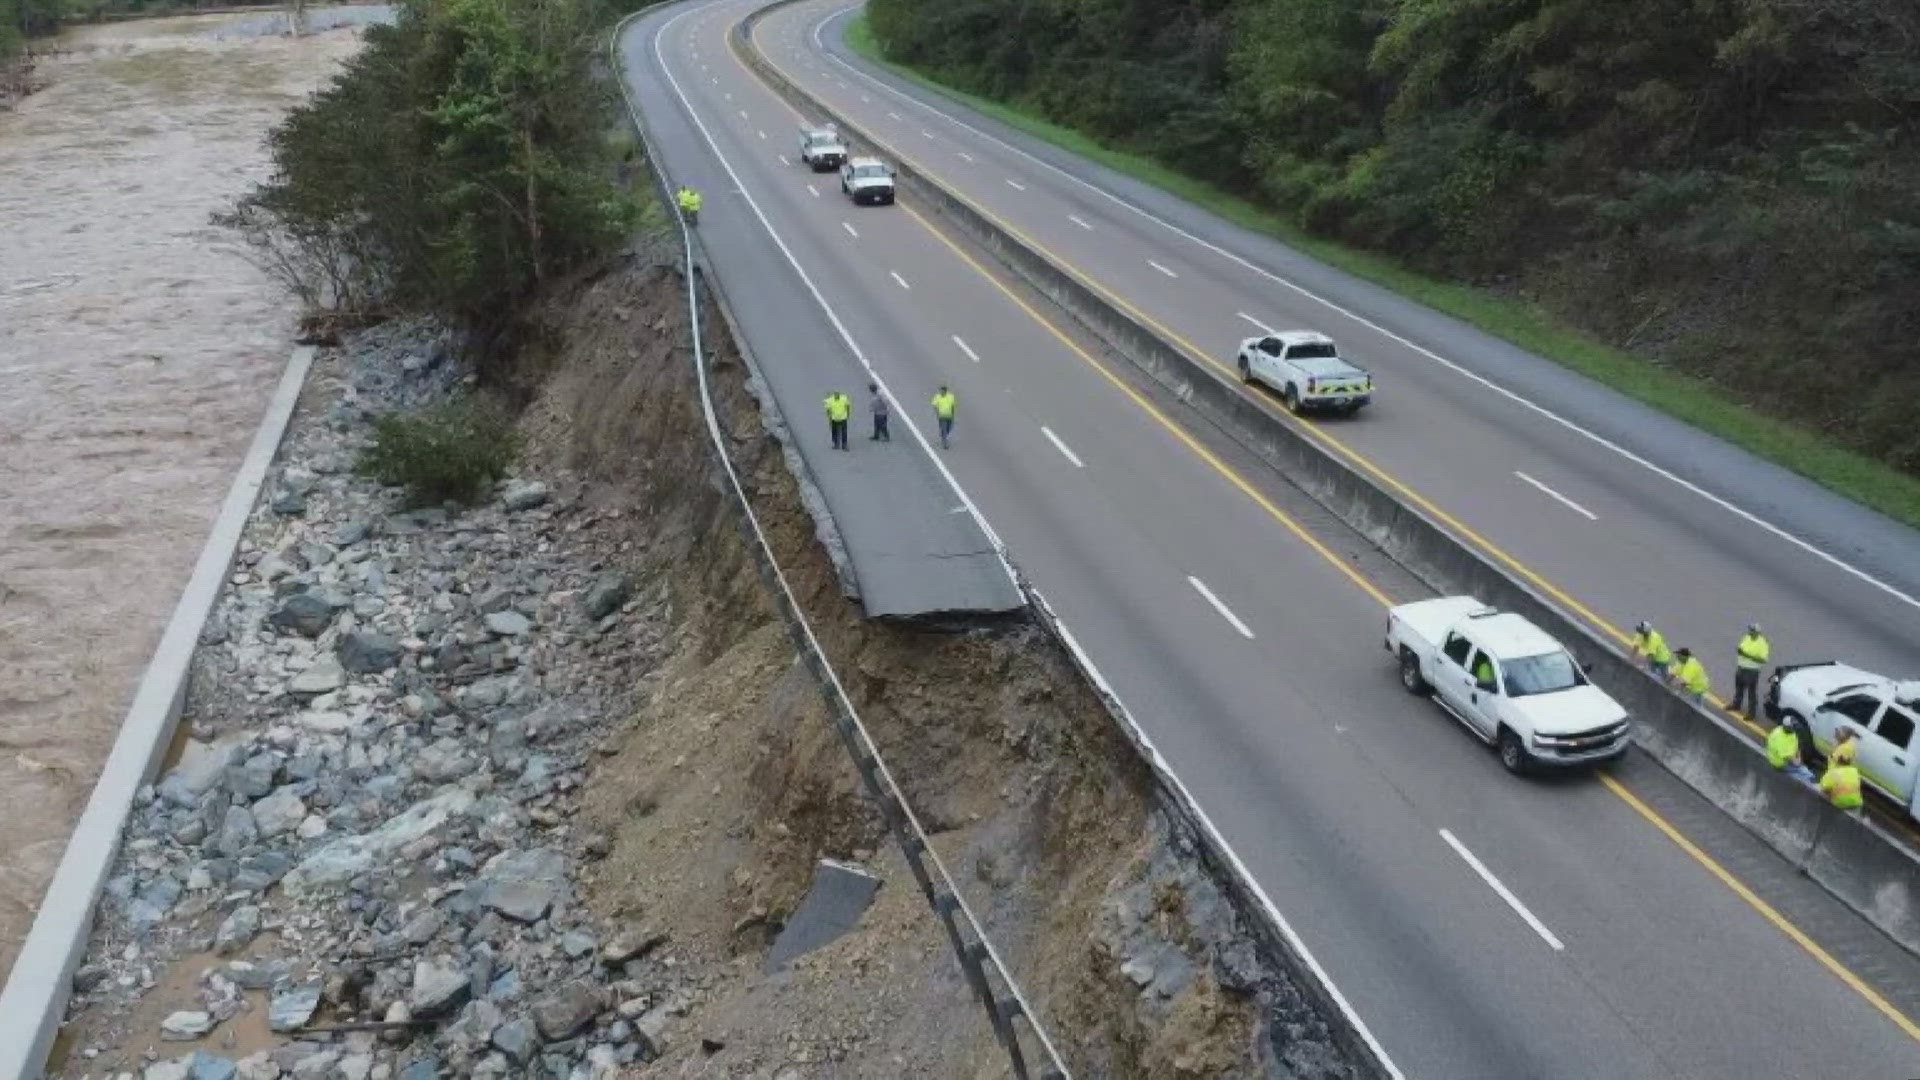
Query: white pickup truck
x=1507, y=681
x=1819, y=698
x=1306, y=370
x=821, y=149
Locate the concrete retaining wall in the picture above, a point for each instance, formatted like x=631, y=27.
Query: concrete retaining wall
x=35, y=1000
x=1863, y=867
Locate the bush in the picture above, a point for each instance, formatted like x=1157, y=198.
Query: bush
x=450, y=452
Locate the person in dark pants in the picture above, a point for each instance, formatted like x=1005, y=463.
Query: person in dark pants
x=877, y=405
x=839, y=410
x=1749, y=657
x=944, y=405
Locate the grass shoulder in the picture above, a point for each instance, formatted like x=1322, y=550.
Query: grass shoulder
x=1695, y=401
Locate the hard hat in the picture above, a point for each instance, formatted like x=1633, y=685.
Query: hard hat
x=1643, y=626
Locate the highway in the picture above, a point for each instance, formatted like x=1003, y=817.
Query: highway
x=1480, y=926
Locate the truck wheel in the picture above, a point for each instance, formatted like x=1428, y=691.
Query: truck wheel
x=1246, y=371
x=1292, y=399
x=1512, y=754
x=1410, y=676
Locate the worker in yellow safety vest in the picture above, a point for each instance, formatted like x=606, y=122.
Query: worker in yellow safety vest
x=1783, y=751
x=1847, y=750
x=839, y=411
x=1652, y=648
x=1750, y=656
x=689, y=204
x=1841, y=785
x=1692, y=675
x=944, y=404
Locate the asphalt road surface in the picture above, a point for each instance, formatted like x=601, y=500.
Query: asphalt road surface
x=1479, y=925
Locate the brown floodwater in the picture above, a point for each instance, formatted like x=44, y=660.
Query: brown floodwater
x=137, y=352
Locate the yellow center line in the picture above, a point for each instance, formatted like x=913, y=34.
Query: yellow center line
x=1766, y=910
x=1612, y=784
x=1157, y=416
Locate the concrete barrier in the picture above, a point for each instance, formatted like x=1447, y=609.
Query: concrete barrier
x=35, y=1000
x=1865, y=869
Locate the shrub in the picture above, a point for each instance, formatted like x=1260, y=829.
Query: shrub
x=450, y=452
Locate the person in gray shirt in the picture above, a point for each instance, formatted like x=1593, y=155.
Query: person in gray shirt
x=877, y=404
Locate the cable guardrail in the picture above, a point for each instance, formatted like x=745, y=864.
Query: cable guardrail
x=986, y=973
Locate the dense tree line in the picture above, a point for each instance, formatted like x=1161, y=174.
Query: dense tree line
x=461, y=158
x=1732, y=186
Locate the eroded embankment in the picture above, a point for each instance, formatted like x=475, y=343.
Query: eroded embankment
x=533, y=786
x=1005, y=752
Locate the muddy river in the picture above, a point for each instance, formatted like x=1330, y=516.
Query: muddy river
x=137, y=352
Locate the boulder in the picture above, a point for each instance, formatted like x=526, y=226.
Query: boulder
x=302, y=613
x=366, y=652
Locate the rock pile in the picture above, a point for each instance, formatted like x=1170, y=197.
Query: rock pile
x=371, y=824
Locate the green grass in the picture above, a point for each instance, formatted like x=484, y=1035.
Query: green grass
x=1693, y=400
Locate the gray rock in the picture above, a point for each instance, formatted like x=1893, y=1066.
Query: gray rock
x=169, y=1070
x=514, y=1039
x=563, y=1013
x=509, y=623
x=349, y=533
x=290, y=504
x=341, y=860
x=422, y=927
x=252, y=976
x=279, y=812
x=185, y=1025
x=323, y=677
x=425, y=1068
x=608, y=592
x=253, y=777
x=318, y=1066
x=293, y=1008
x=366, y=652
x=302, y=613
x=506, y=987
x=576, y=944
x=260, y=1066
x=257, y=872
x=521, y=901
x=237, y=930
x=443, y=760
x=1137, y=971
x=205, y=1066
x=524, y=495
x=439, y=987
x=201, y=766
x=237, y=834
x=630, y=943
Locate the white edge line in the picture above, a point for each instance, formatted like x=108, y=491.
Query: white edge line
x=971, y=355
x=1569, y=503
x=1225, y=611
x=1152, y=750
x=1163, y=767
x=1549, y=414
x=966, y=500
x=34, y=1001
x=1062, y=447
x=1513, y=901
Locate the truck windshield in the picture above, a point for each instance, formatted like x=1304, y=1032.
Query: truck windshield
x=1543, y=674
x=870, y=172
